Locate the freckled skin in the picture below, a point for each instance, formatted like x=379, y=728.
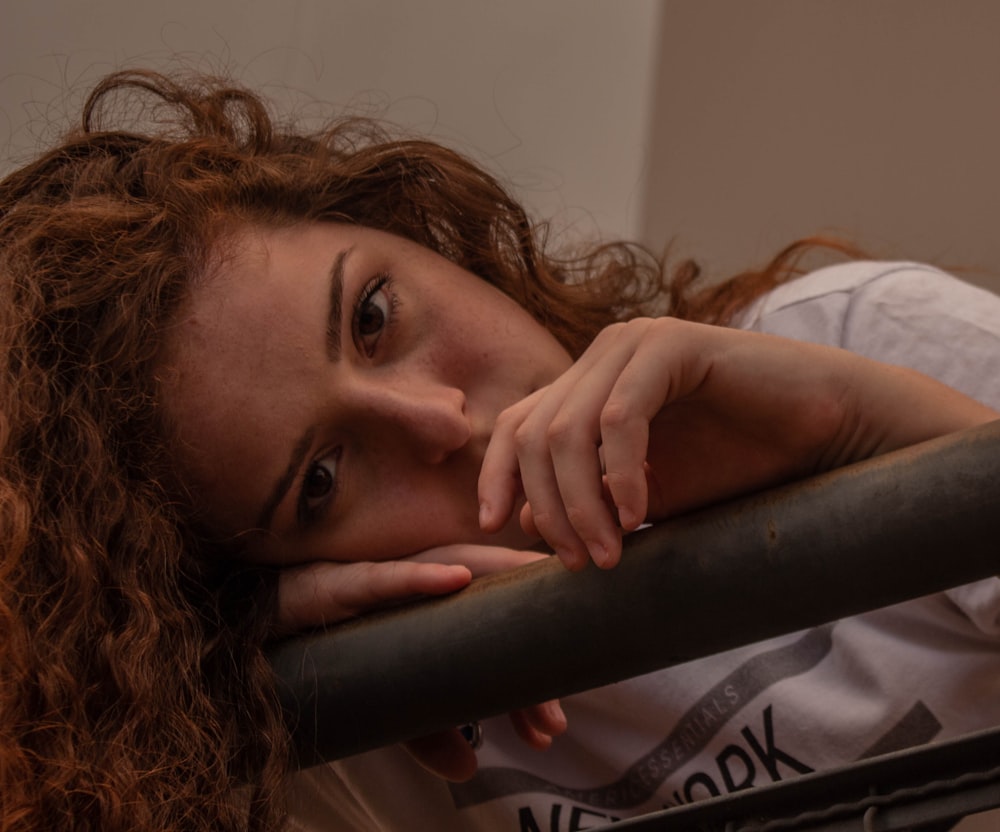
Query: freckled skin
x=402, y=416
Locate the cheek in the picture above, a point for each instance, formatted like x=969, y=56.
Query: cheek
x=408, y=508
x=442, y=498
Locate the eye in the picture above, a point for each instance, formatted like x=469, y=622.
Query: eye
x=319, y=487
x=373, y=312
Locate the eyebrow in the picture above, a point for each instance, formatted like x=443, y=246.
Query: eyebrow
x=305, y=441
x=336, y=304
x=287, y=478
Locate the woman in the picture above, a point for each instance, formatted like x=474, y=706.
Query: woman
x=226, y=344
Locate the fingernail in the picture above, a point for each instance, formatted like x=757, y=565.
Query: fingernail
x=598, y=552
x=626, y=517
x=567, y=557
x=575, y=560
x=484, y=514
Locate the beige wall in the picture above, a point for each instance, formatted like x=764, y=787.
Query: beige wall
x=538, y=90
x=728, y=126
x=779, y=118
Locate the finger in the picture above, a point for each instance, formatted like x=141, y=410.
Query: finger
x=446, y=754
x=324, y=593
x=641, y=391
x=546, y=718
x=530, y=432
x=532, y=736
x=539, y=724
x=625, y=434
x=571, y=420
x=576, y=440
x=499, y=476
x=480, y=560
x=539, y=482
x=512, y=455
x=548, y=516
x=573, y=559
x=660, y=507
x=657, y=505
x=527, y=521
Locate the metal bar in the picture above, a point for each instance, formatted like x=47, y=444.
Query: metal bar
x=901, y=790
x=896, y=527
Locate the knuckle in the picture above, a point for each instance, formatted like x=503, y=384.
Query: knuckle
x=545, y=521
x=665, y=327
x=507, y=419
x=561, y=432
x=579, y=517
x=611, y=331
x=638, y=327
x=615, y=415
x=619, y=482
x=524, y=440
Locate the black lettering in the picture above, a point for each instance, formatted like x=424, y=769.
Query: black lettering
x=699, y=779
x=772, y=755
x=577, y=816
x=529, y=824
x=527, y=820
x=723, y=761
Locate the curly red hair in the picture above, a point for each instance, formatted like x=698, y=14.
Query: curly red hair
x=133, y=687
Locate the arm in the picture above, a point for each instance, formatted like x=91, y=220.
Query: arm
x=660, y=416
x=678, y=415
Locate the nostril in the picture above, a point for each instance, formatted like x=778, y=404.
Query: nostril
x=441, y=425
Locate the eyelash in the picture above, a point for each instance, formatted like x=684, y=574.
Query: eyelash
x=379, y=283
x=307, y=514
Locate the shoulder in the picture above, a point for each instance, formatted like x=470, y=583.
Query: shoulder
x=851, y=286
x=909, y=314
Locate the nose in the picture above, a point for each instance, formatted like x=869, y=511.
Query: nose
x=427, y=417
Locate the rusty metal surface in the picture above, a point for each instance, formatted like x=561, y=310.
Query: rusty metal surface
x=872, y=534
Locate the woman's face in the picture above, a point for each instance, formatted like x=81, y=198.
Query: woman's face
x=333, y=388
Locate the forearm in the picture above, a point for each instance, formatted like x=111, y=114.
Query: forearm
x=892, y=407
x=677, y=415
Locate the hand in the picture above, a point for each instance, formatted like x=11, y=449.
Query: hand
x=326, y=592
x=323, y=593
x=448, y=755
x=660, y=416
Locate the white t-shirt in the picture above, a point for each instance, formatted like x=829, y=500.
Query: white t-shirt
x=924, y=670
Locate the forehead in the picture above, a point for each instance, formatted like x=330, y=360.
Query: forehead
x=241, y=353
x=252, y=309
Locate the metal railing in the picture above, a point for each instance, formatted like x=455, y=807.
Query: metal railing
x=928, y=787
x=886, y=530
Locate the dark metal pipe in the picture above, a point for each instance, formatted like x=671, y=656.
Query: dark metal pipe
x=896, y=527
